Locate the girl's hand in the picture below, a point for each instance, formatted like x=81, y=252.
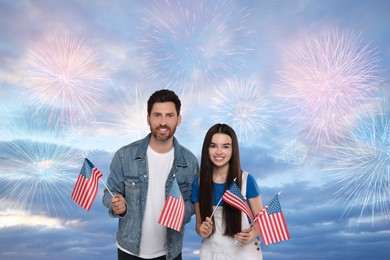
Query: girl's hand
x=246, y=235
x=206, y=228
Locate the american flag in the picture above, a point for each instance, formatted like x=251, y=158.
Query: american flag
x=271, y=222
x=234, y=197
x=172, y=215
x=86, y=187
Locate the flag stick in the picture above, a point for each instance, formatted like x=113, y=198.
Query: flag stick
x=107, y=188
x=216, y=207
x=257, y=217
x=218, y=203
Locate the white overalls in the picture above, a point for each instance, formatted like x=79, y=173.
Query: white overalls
x=220, y=247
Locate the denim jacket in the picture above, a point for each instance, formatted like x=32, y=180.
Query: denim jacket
x=129, y=177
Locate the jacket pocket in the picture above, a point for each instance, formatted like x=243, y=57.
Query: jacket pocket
x=129, y=223
x=132, y=191
x=185, y=189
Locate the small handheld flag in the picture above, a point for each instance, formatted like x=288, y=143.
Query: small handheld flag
x=172, y=215
x=234, y=197
x=272, y=225
x=86, y=187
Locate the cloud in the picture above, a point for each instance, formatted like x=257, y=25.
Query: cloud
x=83, y=235
x=11, y=219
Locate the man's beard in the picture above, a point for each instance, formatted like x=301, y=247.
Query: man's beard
x=155, y=133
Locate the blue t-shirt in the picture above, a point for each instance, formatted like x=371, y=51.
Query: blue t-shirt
x=252, y=190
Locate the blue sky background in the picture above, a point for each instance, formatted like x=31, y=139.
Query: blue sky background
x=304, y=83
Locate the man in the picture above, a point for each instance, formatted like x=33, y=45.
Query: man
x=141, y=174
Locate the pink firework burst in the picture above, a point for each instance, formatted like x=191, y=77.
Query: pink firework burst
x=64, y=77
x=326, y=83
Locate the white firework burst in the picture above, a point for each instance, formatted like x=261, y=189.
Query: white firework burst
x=37, y=172
x=360, y=167
x=295, y=153
x=243, y=105
x=125, y=118
x=193, y=44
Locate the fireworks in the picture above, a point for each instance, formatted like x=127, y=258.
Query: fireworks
x=36, y=175
x=37, y=172
x=193, y=44
x=294, y=153
x=125, y=118
x=242, y=105
x=360, y=168
x=326, y=83
x=64, y=78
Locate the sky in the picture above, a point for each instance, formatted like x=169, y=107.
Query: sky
x=305, y=85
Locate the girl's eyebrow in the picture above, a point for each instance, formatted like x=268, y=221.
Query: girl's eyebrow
x=222, y=144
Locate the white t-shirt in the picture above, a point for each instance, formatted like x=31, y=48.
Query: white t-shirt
x=154, y=235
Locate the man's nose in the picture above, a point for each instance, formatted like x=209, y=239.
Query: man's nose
x=163, y=121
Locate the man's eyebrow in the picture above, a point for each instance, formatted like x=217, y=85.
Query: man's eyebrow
x=169, y=113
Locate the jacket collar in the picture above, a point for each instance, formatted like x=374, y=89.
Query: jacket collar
x=179, y=159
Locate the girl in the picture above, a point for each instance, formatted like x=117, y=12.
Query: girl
x=228, y=234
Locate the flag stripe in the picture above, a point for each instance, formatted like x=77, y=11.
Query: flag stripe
x=265, y=233
x=273, y=228
x=283, y=226
x=85, y=189
x=278, y=231
x=268, y=228
x=174, y=207
x=172, y=215
x=234, y=197
x=238, y=203
x=271, y=223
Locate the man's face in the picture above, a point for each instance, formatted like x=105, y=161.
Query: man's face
x=163, y=120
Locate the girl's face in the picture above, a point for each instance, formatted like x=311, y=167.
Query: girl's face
x=220, y=150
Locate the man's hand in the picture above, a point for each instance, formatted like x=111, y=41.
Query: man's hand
x=118, y=204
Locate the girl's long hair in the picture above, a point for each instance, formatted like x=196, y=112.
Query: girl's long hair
x=231, y=215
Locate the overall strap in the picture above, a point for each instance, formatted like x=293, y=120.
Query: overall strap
x=243, y=183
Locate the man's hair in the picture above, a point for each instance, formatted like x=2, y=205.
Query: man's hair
x=164, y=95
